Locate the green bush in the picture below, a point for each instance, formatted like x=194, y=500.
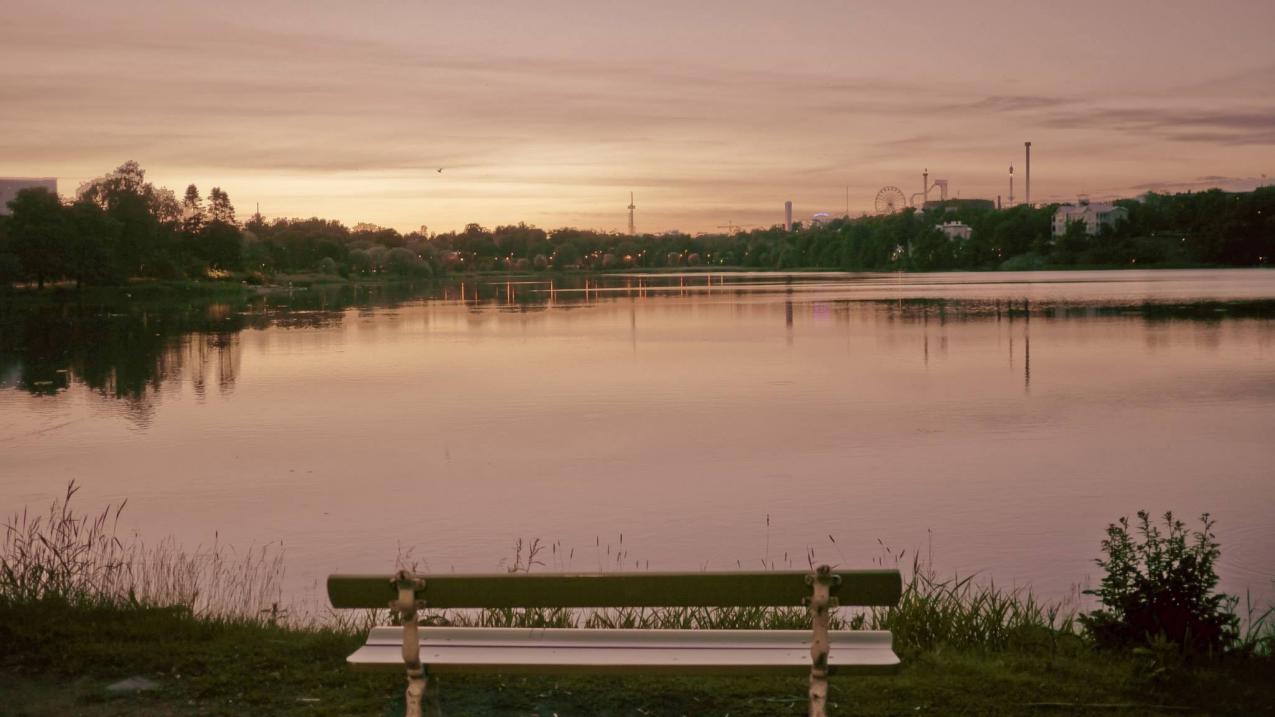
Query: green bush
x=1160, y=586
x=327, y=265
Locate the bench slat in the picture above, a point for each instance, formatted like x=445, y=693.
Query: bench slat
x=504, y=590
x=512, y=650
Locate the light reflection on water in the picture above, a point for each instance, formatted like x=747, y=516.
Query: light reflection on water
x=1008, y=416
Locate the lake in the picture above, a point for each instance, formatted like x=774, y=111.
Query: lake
x=995, y=422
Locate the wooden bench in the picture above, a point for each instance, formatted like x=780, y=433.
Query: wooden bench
x=426, y=650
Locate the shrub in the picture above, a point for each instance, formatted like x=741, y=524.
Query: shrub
x=1160, y=586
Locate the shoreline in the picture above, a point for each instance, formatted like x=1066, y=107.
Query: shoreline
x=290, y=282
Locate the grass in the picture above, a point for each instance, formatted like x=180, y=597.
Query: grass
x=80, y=609
x=227, y=667
x=80, y=560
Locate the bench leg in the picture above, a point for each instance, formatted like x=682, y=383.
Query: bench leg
x=821, y=601
x=818, y=696
x=419, y=686
x=416, y=683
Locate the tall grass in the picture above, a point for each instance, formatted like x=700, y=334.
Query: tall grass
x=963, y=612
x=931, y=613
x=79, y=559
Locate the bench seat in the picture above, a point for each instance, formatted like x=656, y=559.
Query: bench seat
x=555, y=650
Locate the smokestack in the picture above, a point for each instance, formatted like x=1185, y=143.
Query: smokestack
x=788, y=216
x=1028, y=191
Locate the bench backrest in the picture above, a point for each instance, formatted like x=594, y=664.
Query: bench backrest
x=579, y=590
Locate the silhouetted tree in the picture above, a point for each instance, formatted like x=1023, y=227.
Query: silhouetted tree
x=146, y=216
x=219, y=207
x=193, y=218
x=40, y=232
x=91, y=245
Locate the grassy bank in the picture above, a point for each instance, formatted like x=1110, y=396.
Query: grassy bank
x=81, y=609
x=58, y=659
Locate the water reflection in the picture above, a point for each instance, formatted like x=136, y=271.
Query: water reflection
x=127, y=349
x=1012, y=417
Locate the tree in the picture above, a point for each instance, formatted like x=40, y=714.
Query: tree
x=146, y=216
x=405, y=262
x=222, y=245
x=930, y=249
x=91, y=245
x=10, y=264
x=566, y=255
x=192, y=211
x=39, y=233
x=219, y=206
x=1072, y=244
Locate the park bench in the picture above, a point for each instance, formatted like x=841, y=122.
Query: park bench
x=427, y=651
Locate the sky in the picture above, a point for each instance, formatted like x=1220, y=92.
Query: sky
x=712, y=112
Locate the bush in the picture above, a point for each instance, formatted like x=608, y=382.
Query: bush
x=1160, y=586
x=327, y=265
x=405, y=262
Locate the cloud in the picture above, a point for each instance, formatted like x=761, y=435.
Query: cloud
x=293, y=108
x=1239, y=126
x=1233, y=184
x=1013, y=103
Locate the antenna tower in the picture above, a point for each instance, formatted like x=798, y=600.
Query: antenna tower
x=632, y=206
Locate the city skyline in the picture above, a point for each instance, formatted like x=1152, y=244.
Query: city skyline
x=711, y=114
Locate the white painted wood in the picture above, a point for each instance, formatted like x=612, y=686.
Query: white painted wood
x=466, y=649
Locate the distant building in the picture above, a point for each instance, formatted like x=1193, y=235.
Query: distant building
x=953, y=205
x=1094, y=215
x=10, y=186
x=956, y=230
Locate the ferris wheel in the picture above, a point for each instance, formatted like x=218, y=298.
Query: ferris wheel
x=890, y=200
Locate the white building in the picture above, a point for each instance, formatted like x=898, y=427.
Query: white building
x=10, y=186
x=956, y=230
x=1093, y=215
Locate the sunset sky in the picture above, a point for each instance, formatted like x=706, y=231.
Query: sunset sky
x=551, y=112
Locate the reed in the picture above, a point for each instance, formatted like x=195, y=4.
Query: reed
x=963, y=612
x=79, y=559
x=72, y=558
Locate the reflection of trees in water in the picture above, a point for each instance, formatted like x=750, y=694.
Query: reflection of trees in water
x=123, y=351
x=128, y=348
x=213, y=357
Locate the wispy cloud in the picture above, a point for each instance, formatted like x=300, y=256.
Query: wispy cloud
x=1227, y=126
x=1013, y=103
x=316, y=117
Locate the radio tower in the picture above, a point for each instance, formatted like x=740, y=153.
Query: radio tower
x=632, y=206
x=1011, y=184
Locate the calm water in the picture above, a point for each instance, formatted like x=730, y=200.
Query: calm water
x=997, y=420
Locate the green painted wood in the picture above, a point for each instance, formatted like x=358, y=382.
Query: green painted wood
x=504, y=590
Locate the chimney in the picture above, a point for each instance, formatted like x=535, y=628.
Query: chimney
x=788, y=216
x=1028, y=190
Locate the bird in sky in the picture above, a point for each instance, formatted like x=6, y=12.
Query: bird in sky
x=440, y=170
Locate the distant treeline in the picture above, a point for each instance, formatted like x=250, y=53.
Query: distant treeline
x=120, y=226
